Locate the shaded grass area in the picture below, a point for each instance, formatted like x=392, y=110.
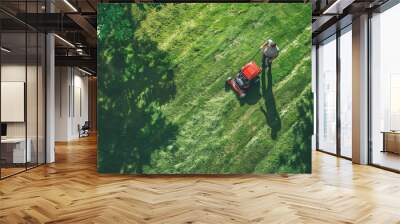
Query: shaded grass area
x=130, y=94
x=211, y=131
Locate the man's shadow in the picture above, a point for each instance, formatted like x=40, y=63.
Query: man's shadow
x=271, y=114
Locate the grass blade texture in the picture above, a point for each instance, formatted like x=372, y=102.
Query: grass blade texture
x=162, y=102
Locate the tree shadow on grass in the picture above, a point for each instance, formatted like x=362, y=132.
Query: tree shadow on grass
x=270, y=112
x=135, y=78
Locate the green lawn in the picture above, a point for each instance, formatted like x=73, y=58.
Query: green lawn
x=162, y=103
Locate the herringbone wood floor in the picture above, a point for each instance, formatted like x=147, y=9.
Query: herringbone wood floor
x=70, y=191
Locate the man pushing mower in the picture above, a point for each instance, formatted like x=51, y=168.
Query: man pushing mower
x=248, y=75
x=270, y=51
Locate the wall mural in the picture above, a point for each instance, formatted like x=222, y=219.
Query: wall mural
x=204, y=88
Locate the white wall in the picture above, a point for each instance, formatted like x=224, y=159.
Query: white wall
x=71, y=102
x=62, y=82
x=81, y=96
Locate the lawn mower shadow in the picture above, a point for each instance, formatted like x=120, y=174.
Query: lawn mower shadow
x=252, y=96
x=270, y=112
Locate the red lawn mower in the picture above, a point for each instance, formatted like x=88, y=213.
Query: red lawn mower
x=249, y=74
x=246, y=77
